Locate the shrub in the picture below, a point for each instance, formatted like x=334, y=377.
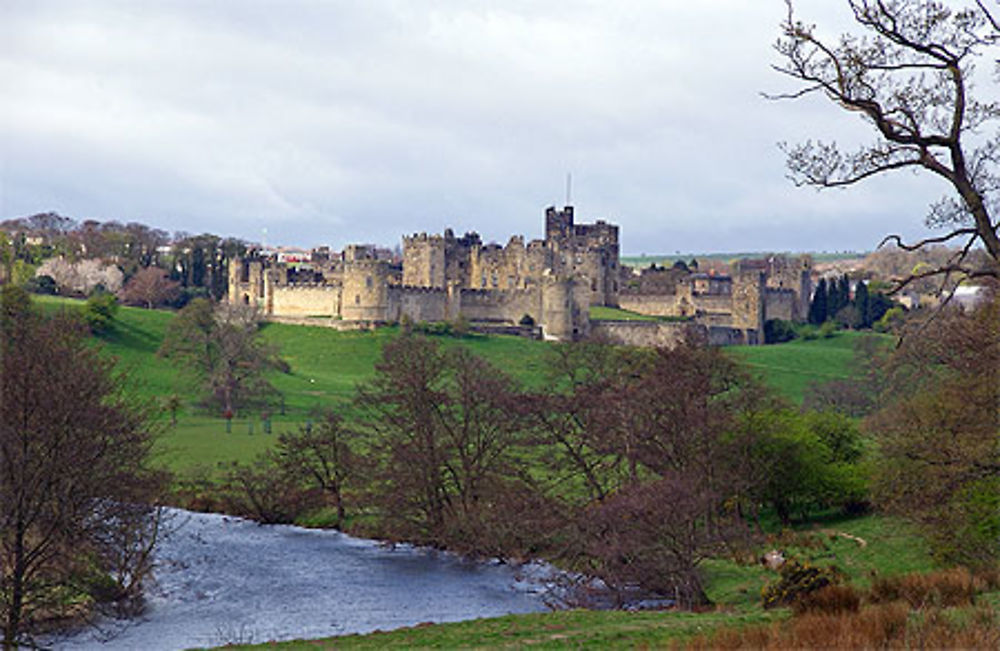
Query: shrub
x=827, y=330
x=99, y=312
x=778, y=331
x=41, y=285
x=831, y=599
x=797, y=580
x=808, y=332
x=945, y=588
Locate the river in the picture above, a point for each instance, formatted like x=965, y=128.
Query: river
x=221, y=579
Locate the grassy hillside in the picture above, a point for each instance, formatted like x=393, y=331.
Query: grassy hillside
x=326, y=365
x=791, y=367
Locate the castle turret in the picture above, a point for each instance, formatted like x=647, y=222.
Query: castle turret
x=748, y=304
x=558, y=223
x=564, y=315
x=365, y=294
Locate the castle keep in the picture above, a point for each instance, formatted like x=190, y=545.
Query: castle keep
x=548, y=285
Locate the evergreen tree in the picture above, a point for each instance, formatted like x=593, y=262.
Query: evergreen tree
x=817, y=309
x=861, y=302
x=843, y=294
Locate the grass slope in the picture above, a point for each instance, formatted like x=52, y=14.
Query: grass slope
x=326, y=366
x=791, y=367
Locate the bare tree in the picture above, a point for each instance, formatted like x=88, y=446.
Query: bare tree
x=910, y=75
x=445, y=427
x=322, y=455
x=149, y=287
x=74, y=479
x=222, y=346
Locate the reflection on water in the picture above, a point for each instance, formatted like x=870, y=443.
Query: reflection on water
x=222, y=579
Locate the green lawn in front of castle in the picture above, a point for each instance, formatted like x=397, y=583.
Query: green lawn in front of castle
x=791, y=367
x=326, y=366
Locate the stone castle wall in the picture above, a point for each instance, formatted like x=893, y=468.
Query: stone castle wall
x=319, y=300
x=422, y=304
x=781, y=304
x=652, y=305
x=642, y=333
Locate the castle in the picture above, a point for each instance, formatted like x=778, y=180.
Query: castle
x=544, y=286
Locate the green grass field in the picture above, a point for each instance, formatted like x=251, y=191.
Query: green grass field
x=326, y=366
x=791, y=367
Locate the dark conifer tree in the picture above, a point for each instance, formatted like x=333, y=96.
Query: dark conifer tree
x=817, y=309
x=861, y=302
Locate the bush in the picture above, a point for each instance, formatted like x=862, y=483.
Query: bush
x=807, y=332
x=945, y=588
x=778, y=331
x=827, y=330
x=831, y=599
x=890, y=320
x=41, y=285
x=100, y=311
x=797, y=580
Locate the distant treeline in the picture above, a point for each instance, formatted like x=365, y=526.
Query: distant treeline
x=197, y=263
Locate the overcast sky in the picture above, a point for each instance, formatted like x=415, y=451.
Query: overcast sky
x=328, y=122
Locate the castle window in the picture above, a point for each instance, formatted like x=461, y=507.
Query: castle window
x=593, y=285
x=482, y=282
x=493, y=281
x=511, y=284
x=357, y=299
x=614, y=286
x=246, y=299
x=368, y=282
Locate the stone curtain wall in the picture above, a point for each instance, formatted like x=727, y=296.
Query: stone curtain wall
x=641, y=333
x=321, y=300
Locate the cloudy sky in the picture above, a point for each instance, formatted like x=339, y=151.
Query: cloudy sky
x=330, y=122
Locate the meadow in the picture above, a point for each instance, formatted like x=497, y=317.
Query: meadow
x=327, y=365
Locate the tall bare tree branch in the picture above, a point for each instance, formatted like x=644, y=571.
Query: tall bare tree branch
x=908, y=73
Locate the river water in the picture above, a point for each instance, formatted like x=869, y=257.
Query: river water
x=221, y=579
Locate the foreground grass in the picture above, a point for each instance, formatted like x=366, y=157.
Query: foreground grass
x=568, y=628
